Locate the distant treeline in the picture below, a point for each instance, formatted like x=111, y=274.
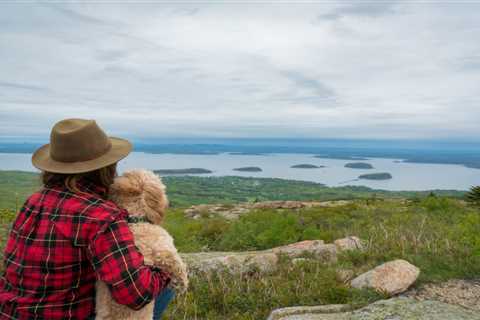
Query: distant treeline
x=435, y=152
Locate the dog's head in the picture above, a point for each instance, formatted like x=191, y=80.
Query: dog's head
x=142, y=193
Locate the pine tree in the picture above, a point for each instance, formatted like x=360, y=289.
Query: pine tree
x=473, y=196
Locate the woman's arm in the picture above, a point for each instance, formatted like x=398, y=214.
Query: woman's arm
x=120, y=265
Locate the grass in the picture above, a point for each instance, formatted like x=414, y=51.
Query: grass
x=252, y=296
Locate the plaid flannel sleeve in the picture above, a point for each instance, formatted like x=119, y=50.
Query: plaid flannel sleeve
x=120, y=265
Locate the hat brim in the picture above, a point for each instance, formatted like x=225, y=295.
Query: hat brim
x=120, y=149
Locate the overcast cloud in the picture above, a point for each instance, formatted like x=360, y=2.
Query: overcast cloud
x=381, y=69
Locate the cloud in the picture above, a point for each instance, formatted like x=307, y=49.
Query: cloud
x=11, y=85
x=74, y=15
x=388, y=69
x=368, y=9
x=316, y=86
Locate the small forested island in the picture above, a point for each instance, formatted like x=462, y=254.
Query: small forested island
x=248, y=169
x=247, y=154
x=359, y=165
x=306, y=166
x=376, y=176
x=182, y=171
x=340, y=157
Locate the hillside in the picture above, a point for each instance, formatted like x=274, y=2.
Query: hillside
x=184, y=191
x=436, y=232
x=439, y=235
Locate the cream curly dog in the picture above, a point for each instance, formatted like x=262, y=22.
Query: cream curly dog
x=142, y=193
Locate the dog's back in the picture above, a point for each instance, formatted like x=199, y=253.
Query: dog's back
x=158, y=249
x=142, y=193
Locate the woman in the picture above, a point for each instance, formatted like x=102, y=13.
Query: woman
x=68, y=235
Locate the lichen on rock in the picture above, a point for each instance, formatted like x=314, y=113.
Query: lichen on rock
x=391, y=309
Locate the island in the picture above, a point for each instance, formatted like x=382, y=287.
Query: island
x=340, y=157
x=376, y=176
x=182, y=171
x=249, y=169
x=359, y=165
x=247, y=154
x=306, y=166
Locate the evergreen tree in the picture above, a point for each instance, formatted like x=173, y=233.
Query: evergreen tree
x=473, y=196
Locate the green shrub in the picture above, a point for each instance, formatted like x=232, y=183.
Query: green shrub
x=261, y=230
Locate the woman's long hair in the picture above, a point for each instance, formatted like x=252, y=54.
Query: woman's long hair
x=102, y=177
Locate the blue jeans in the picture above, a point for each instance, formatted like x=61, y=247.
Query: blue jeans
x=161, y=303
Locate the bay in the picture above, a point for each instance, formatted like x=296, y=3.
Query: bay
x=406, y=176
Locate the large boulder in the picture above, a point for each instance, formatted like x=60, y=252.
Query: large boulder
x=279, y=205
x=314, y=248
x=390, y=278
x=264, y=260
x=267, y=260
x=237, y=262
x=392, y=309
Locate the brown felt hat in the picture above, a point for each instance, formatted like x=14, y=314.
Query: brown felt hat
x=78, y=145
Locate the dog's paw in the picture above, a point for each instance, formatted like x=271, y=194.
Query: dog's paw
x=172, y=263
x=179, y=285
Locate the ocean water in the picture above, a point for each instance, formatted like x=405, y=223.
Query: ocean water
x=406, y=176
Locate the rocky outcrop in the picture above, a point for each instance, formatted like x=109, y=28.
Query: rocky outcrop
x=227, y=211
x=237, y=262
x=349, y=243
x=392, y=309
x=390, y=278
x=465, y=293
x=314, y=248
x=264, y=260
x=234, y=211
x=307, y=312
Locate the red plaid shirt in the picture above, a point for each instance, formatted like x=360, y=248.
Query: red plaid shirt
x=60, y=244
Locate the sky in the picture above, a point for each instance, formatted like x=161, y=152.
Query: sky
x=305, y=69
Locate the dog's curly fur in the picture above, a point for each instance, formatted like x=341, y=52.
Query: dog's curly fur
x=142, y=193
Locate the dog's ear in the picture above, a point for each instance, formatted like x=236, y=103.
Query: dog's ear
x=126, y=186
x=142, y=192
x=154, y=195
